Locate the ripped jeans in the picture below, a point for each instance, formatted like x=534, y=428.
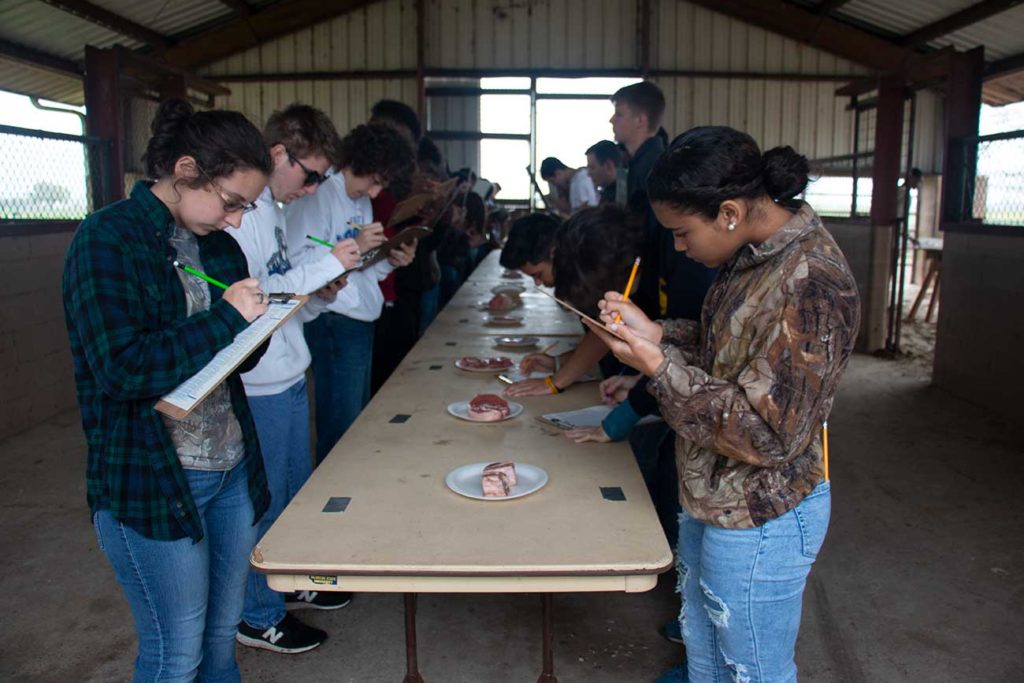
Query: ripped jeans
x=742, y=592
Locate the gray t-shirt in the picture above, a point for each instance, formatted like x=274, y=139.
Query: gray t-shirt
x=209, y=438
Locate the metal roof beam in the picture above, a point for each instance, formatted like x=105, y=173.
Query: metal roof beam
x=259, y=27
x=956, y=21
x=809, y=28
x=239, y=7
x=110, y=21
x=1002, y=67
x=826, y=7
x=38, y=58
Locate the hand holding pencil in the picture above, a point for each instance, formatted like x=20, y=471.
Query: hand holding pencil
x=370, y=236
x=618, y=310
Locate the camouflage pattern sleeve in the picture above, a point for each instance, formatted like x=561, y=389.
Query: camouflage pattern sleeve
x=682, y=334
x=794, y=356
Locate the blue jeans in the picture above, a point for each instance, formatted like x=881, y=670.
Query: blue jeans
x=342, y=350
x=743, y=590
x=429, y=303
x=282, y=423
x=654, y=449
x=186, y=597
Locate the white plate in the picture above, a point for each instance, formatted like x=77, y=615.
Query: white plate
x=484, y=307
x=465, y=481
x=493, y=371
x=508, y=289
x=460, y=409
x=517, y=342
x=504, y=321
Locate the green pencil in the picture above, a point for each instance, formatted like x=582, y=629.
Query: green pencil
x=322, y=243
x=200, y=275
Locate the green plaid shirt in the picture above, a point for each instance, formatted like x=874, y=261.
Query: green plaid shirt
x=132, y=342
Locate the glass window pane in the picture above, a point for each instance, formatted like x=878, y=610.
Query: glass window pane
x=583, y=86
x=566, y=128
x=505, y=114
x=504, y=162
x=509, y=83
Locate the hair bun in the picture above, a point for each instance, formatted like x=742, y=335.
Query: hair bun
x=166, y=133
x=170, y=117
x=785, y=173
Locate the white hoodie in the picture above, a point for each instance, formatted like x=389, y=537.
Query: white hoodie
x=326, y=215
x=262, y=238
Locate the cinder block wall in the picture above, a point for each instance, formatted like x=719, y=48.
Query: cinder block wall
x=854, y=237
x=36, y=377
x=981, y=321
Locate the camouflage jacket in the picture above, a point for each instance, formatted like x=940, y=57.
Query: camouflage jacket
x=746, y=389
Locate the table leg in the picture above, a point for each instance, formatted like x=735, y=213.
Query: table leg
x=931, y=302
x=932, y=273
x=548, y=673
x=412, y=673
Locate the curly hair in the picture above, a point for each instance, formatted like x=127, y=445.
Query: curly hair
x=377, y=149
x=594, y=252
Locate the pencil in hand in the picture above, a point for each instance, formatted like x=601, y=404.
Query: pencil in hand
x=200, y=275
x=322, y=243
x=629, y=286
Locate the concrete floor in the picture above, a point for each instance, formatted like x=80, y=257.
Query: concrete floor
x=921, y=577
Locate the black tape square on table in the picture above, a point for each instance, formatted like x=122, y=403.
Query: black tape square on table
x=399, y=419
x=612, y=493
x=337, y=504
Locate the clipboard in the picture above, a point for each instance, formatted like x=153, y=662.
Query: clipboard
x=193, y=391
x=581, y=314
x=411, y=206
x=378, y=254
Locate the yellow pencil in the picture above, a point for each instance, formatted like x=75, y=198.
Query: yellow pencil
x=629, y=286
x=355, y=226
x=824, y=444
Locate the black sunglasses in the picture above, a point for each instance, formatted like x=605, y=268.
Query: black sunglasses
x=312, y=177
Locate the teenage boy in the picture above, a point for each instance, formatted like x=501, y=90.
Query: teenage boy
x=341, y=340
x=301, y=141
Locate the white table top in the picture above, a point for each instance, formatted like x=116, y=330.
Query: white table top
x=404, y=531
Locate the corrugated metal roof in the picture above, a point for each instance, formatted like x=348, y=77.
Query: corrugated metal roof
x=490, y=34
x=1002, y=34
x=47, y=29
x=21, y=78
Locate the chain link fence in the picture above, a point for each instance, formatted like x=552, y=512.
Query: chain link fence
x=49, y=176
x=995, y=193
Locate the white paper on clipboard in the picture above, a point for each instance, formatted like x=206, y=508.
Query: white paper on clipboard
x=591, y=416
x=190, y=393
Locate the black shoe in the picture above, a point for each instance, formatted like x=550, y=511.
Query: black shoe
x=317, y=600
x=289, y=635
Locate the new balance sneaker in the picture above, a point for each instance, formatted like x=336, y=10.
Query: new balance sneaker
x=289, y=636
x=317, y=600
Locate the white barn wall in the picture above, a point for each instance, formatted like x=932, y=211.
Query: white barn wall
x=572, y=34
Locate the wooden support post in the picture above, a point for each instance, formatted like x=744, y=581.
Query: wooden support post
x=105, y=115
x=884, y=208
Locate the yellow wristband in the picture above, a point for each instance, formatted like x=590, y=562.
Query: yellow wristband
x=549, y=380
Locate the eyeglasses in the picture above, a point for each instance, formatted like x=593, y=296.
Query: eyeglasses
x=232, y=202
x=312, y=177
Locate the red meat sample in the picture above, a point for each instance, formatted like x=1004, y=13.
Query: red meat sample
x=488, y=408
